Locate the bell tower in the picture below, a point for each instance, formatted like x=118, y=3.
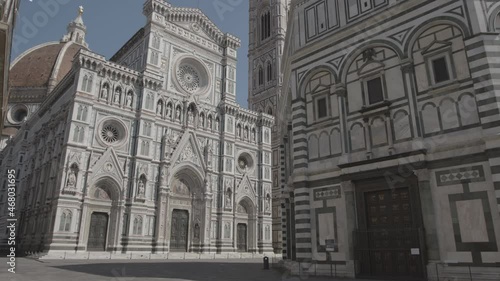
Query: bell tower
x=268, y=22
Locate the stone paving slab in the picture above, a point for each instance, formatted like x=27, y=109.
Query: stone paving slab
x=146, y=270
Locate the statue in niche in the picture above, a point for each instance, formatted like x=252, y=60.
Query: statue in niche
x=178, y=114
x=208, y=154
x=190, y=117
x=129, y=100
x=141, y=189
x=181, y=188
x=118, y=95
x=228, y=198
x=209, y=123
x=268, y=203
x=253, y=135
x=217, y=123
x=105, y=92
x=71, y=185
x=202, y=121
x=159, y=108
x=169, y=110
x=246, y=134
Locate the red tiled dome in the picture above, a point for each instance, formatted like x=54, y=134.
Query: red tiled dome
x=36, y=67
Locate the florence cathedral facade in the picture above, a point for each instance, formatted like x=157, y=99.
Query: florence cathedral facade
x=147, y=152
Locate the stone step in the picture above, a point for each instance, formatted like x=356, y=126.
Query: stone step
x=54, y=255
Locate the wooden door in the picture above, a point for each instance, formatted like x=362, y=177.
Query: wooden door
x=98, y=232
x=241, y=237
x=179, y=231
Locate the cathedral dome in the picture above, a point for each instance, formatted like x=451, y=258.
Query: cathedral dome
x=35, y=73
x=44, y=65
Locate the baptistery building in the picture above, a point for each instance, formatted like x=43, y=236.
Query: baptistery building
x=391, y=139
x=145, y=152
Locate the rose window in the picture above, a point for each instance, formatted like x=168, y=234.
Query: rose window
x=192, y=76
x=245, y=162
x=188, y=78
x=110, y=134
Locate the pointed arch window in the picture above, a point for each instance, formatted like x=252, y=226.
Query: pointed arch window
x=137, y=226
x=65, y=221
x=261, y=76
x=265, y=25
x=269, y=72
x=84, y=84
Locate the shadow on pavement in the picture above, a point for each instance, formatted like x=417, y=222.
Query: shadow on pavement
x=196, y=271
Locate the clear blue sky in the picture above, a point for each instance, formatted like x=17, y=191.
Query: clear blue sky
x=110, y=23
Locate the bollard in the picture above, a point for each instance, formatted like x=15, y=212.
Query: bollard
x=266, y=263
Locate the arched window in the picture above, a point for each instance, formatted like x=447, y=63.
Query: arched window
x=261, y=76
x=159, y=108
x=137, y=226
x=319, y=87
x=265, y=25
x=270, y=111
x=89, y=83
x=82, y=135
x=497, y=23
x=84, y=84
x=79, y=114
x=269, y=71
x=65, y=221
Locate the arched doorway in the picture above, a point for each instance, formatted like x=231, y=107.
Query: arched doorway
x=187, y=209
x=102, y=215
x=245, y=221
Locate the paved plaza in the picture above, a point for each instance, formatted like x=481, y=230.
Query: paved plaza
x=138, y=270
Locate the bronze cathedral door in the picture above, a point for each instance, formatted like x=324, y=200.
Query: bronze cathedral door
x=241, y=239
x=98, y=232
x=179, y=231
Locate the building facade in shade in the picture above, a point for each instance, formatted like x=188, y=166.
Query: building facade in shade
x=145, y=152
x=393, y=146
x=268, y=21
x=8, y=14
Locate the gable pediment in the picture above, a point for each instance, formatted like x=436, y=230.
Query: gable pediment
x=108, y=165
x=436, y=45
x=188, y=150
x=245, y=188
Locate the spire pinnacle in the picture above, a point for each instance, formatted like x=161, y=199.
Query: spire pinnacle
x=76, y=30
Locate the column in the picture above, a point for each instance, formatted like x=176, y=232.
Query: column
x=341, y=92
x=428, y=215
x=408, y=70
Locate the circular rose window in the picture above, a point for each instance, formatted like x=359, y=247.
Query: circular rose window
x=245, y=162
x=189, y=78
x=112, y=132
x=192, y=76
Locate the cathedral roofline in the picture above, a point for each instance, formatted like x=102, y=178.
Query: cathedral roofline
x=136, y=37
x=195, y=15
